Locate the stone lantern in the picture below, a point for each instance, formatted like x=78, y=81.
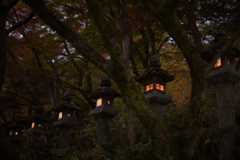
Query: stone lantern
x=104, y=109
x=154, y=79
x=66, y=119
x=223, y=76
x=38, y=120
x=15, y=130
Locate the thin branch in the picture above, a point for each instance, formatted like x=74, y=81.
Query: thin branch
x=165, y=40
x=20, y=23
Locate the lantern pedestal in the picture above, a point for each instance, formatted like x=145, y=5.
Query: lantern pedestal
x=103, y=130
x=64, y=138
x=157, y=101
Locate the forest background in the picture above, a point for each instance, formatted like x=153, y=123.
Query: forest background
x=47, y=47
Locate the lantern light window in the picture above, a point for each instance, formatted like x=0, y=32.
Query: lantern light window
x=39, y=125
x=99, y=102
x=149, y=87
x=218, y=63
x=16, y=133
x=160, y=87
x=33, y=124
x=68, y=115
x=108, y=102
x=10, y=133
x=59, y=115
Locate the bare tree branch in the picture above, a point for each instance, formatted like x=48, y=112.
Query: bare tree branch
x=20, y=23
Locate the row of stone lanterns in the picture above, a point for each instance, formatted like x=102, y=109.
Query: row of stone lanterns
x=154, y=80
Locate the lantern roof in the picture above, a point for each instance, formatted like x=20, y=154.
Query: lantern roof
x=155, y=70
x=219, y=41
x=40, y=115
x=16, y=123
x=105, y=90
x=66, y=103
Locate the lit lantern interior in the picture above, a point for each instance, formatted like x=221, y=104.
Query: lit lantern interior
x=218, y=63
x=68, y=115
x=108, y=102
x=39, y=125
x=59, y=115
x=99, y=102
x=160, y=87
x=33, y=124
x=16, y=133
x=10, y=133
x=149, y=87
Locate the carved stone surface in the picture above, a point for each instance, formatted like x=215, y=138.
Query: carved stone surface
x=64, y=138
x=103, y=130
x=157, y=97
x=103, y=112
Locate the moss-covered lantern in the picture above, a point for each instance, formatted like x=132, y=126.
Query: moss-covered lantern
x=15, y=130
x=104, y=108
x=65, y=110
x=154, y=79
x=104, y=100
x=66, y=119
x=223, y=76
x=38, y=120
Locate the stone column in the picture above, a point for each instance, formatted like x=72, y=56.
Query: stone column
x=158, y=108
x=103, y=134
x=64, y=138
x=225, y=104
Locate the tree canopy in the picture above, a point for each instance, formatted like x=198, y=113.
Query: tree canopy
x=48, y=47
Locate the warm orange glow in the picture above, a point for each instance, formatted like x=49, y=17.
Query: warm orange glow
x=39, y=125
x=59, y=115
x=10, y=133
x=68, y=115
x=218, y=63
x=16, y=133
x=108, y=102
x=33, y=124
x=149, y=87
x=99, y=102
x=160, y=87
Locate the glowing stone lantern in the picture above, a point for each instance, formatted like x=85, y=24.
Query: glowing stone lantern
x=38, y=120
x=66, y=118
x=223, y=76
x=15, y=130
x=104, y=108
x=154, y=80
